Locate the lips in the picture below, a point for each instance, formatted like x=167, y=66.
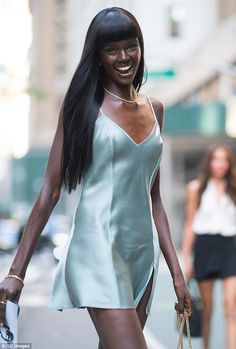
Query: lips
x=127, y=69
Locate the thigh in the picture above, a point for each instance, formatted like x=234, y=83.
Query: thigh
x=206, y=290
x=141, y=308
x=118, y=328
x=229, y=287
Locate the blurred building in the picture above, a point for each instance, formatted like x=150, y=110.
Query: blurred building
x=14, y=100
x=190, y=56
x=199, y=95
x=48, y=79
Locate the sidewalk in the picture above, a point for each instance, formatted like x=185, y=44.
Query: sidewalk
x=49, y=328
x=162, y=322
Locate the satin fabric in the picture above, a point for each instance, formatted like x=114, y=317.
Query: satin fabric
x=113, y=246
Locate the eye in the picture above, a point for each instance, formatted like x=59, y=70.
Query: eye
x=132, y=46
x=110, y=50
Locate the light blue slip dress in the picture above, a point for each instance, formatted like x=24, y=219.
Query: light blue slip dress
x=113, y=246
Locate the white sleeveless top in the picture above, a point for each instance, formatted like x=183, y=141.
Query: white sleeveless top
x=213, y=216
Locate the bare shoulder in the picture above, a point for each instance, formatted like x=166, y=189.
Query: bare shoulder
x=193, y=186
x=158, y=109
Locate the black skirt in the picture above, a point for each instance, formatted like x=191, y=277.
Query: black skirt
x=214, y=256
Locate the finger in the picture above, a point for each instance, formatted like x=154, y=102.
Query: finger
x=188, y=305
x=3, y=303
x=181, y=306
x=16, y=299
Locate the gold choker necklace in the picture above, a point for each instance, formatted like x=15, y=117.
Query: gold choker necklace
x=122, y=99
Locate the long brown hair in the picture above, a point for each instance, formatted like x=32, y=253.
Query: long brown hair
x=205, y=171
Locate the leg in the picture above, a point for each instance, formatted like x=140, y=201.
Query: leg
x=118, y=328
x=229, y=286
x=206, y=291
x=141, y=308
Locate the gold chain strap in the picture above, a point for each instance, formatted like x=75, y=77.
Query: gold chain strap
x=181, y=322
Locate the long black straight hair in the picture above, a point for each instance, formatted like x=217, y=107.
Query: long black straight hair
x=85, y=93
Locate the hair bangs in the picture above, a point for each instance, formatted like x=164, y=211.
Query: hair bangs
x=116, y=27
x=85, y=93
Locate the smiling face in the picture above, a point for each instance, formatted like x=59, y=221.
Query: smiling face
x=219, y=164
x=120, y=61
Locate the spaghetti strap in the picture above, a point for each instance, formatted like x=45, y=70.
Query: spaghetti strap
x=153, y=112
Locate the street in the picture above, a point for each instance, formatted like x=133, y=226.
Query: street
x=117, y=114
x=48, y=328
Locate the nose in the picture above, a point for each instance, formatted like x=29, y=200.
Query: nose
x=122, y=55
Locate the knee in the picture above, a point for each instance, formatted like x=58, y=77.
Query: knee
x=207, y=310
x=230, y=310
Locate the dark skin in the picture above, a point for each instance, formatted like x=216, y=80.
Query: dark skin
x=11, y=288
x=117, y=328
x=137, y=120
x=123, y=328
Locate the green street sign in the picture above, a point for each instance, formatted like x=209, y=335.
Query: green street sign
x=165, y=73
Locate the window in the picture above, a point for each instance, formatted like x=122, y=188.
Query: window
x=177, y=17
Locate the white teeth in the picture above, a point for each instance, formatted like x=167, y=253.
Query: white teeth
x=124, y=68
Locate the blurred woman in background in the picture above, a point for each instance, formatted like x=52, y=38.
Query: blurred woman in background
x=210, y=236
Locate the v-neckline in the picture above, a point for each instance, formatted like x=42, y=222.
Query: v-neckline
x=126, y=133
x=219, y=199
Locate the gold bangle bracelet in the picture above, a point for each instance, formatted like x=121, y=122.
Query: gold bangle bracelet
x=15, y=277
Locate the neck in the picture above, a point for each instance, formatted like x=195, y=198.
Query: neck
x=218, y=180
x=126, y=92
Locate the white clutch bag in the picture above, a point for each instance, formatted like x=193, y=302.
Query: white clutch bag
x=8, y=333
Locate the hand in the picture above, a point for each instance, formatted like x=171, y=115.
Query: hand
x=188, y=267
x=10, y=289
x=188, y=270
x=183, y=296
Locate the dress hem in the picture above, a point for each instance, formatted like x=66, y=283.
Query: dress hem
x=112, y=306
x=105, y=306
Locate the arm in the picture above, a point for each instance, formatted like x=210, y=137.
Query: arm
x=189, y=236
x=49, y=195
x=165, y=240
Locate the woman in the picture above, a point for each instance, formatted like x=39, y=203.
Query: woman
x=108, y=140
x=210, y=232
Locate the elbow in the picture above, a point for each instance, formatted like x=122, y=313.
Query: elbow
x=55, y=196
x=55, y=191
x=50, y=193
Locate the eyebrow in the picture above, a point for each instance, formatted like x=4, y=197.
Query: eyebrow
x=114, y=42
